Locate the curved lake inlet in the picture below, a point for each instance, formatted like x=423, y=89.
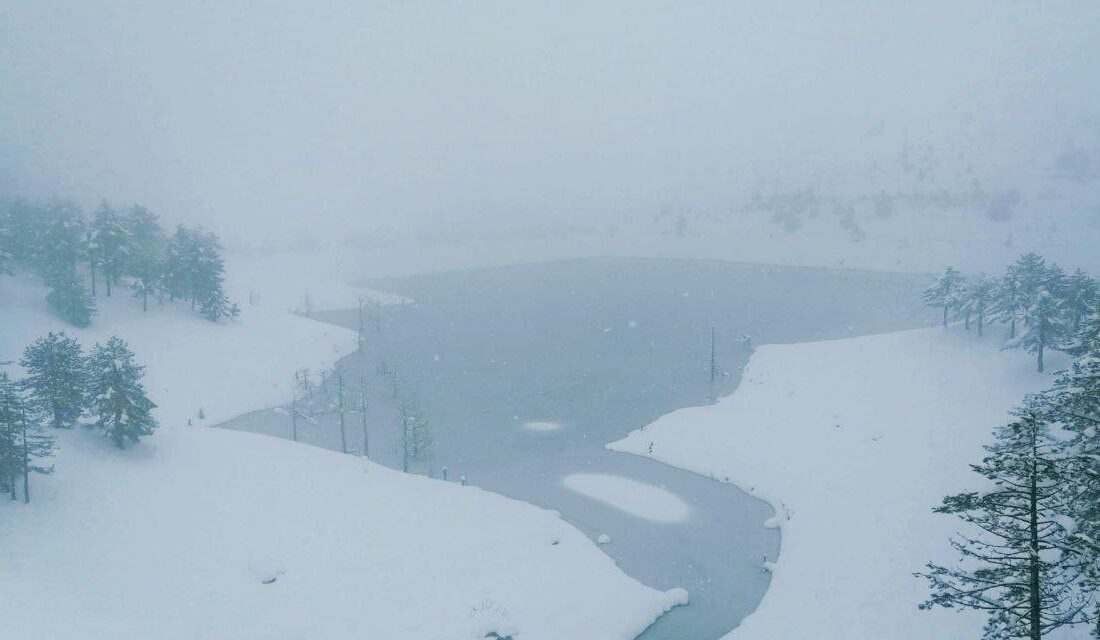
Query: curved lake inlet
x=526, y=372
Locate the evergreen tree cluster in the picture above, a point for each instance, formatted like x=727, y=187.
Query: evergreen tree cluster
x=1030, y=551
x=112, y=248
x=1042, y=306
x=62, y=386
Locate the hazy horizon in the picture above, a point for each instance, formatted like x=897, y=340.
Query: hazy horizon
x=321, y=120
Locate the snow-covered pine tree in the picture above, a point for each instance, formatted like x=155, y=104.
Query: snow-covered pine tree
x=145, y=261
x=1079, y=296
x=195, y=270
x=112, y=243
x=1055, y=281
x=60, y=241
x=116, y=397
x=1009, y=301
x=26, y=222
x=363, y=406
x=341, y=409
x=7, y=240
x=11, y=412
x=415, y=437
x=946, y=291
x=1074, y=403
x=24, y=448
x=178, y=261
x=1044, y=326
x=71, y=301
x=976, y=300
x=58, y=236
x=213, y=301
x=107, y=245
x=1087, y=339
x=56, y=378
x=1019, y=563
x=1018, y=288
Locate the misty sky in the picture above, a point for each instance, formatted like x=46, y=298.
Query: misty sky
x=312, y=115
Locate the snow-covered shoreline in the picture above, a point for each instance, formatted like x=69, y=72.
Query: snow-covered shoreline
x=853, y=442
x=206, y=533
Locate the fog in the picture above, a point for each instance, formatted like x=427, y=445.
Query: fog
x=316, y=120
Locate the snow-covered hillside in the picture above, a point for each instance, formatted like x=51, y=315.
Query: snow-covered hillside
x=853, y=441
x=204, y=533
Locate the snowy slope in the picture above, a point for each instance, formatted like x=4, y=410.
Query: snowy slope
x=175, y=538
x=853, y=441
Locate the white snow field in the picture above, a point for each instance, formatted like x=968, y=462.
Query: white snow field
x=211, y=534
x=854, y=442
x=637, y=498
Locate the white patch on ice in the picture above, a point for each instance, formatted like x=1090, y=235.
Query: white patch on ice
x=636, y=498
x=542, y=426
x=603, y=539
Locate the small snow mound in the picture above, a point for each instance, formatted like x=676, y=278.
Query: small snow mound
x=603, y=539
x=677, y=597
x=542, y=426
x=265, y=571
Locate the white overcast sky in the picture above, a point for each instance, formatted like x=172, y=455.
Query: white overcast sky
x=319, y=114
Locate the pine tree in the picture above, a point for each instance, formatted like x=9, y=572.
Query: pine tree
x=415, y=437
x=23, y=447
x=1044, y=326
x=1019, y=563
x=1087, y=339
x=1055, y=281
x=341, y=409
x=145, y=261
x=60, y=247
x=363, y=406
x=7, y=240
x=1009, y=302
x=211, y=278
x=178, y=263
x=71, y=301
x=116, y=396
x=195, y=270
x=1080, y=297
x=112, y=244
x=977, y=299
x=58, y=239
x=56, y=376
x=26, y=224
x=1074, y=403
x=1018, y=289
x=11, y=412
x=946, y=292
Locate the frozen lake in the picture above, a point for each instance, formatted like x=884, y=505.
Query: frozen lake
x=526, y=372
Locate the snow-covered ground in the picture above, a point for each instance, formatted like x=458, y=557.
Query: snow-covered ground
x=181, y=536
x=853, y=442
x=637, y=498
